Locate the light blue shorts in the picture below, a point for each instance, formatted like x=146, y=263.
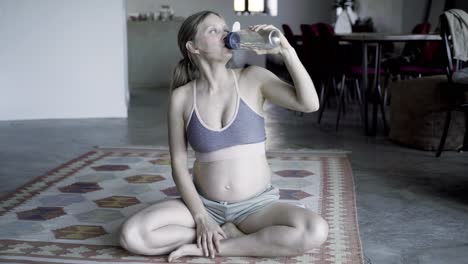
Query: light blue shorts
x=236, y=212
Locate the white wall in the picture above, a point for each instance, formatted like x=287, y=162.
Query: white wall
x=62, y=59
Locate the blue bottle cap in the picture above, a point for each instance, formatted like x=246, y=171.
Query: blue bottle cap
x=232, y=40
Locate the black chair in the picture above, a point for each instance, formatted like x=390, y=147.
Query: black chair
x=458, y=87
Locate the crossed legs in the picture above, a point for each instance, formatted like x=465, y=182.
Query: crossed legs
x=158, y=229
x=277, y=230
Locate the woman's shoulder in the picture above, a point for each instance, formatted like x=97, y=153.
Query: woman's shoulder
x=182, y=92
x=251, y=79
x=253, y=73
x=181, y=97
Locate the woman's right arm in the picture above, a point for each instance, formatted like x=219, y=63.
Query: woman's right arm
x=207, y=229
x=178, y=151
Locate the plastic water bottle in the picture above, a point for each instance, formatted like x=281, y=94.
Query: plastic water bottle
x=248, y=39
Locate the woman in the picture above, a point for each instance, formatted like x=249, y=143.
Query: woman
x=229, y=208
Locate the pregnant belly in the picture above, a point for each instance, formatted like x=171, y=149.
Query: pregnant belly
x=232, y=180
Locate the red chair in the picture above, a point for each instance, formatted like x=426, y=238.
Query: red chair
x=418, y=58
x=422, y=28
x=426, y=64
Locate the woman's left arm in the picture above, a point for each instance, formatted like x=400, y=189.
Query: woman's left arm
x=300, y=97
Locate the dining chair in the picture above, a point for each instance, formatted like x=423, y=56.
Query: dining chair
x=312, y=60
x=458, y=81
x=307, y=37
x=427, y=64
x=288, y=33
x=418, y=59
x=294, y=40
x=353, y=73
x=331, y=68
x=321, y=57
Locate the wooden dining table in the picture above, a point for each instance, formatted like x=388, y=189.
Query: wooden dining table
x=377, y=39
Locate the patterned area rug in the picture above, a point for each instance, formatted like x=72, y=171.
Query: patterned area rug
x=73, y=213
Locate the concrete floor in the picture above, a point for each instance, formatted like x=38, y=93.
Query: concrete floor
x=412, y=207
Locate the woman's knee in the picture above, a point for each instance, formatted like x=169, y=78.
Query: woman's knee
x=130, y=238
x=139, y=234
x=316, y=232
x=313, y=232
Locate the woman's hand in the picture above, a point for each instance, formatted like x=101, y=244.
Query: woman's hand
x=284, y=43
x=209, y=233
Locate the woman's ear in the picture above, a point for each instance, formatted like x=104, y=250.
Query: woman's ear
x=191, y=47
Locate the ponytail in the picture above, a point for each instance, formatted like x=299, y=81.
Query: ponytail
x=183, y=73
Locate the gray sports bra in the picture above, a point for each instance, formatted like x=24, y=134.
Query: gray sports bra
x=246, y=127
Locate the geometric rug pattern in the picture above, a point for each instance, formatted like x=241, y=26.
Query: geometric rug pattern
x=73, y=213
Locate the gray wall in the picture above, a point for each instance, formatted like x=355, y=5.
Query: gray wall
x=394, y=16
x=386, y=14
x=292, y=12
x=389, y=15
x=152, y=52
x=413, y=13
x=398, y=16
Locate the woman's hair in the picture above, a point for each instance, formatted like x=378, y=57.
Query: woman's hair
x=186, y=70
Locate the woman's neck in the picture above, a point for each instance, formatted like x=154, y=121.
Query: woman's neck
x=213, y=76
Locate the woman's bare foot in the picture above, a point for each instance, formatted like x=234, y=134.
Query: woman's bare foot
x=231, y=230
x=185, y=250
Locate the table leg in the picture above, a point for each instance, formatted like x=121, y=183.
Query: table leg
x=373, y=92
x=381, y=100
x=365, y=86
x=377, y=93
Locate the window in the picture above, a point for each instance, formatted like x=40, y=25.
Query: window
x=253, y=7
x=239, y=5
x=256, y=6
